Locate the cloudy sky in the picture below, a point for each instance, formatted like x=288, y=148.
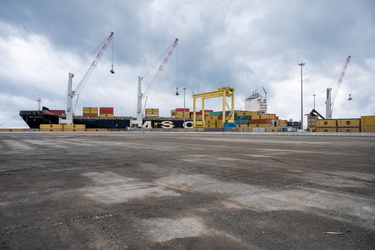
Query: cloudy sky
x=245, y=44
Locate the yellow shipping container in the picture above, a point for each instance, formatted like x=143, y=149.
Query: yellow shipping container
x=281, y=123
x=51, y=125
x=260, y=125
x=152, y=109
x=242, y=125
x=348, y=122
x=311, y=124
x=74, y=129
x=327, y=123
x=74, y=126
x=326, y=129
x=368, y=120
x=90, y=109
x=368, y=128
x=96, y=129
x=273, y=130
x=267, y=116
x=246, y=113
x=107, y=115
x=358, y=129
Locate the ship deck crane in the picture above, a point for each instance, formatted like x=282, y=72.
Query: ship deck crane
x=72, y=93
x=330, y=100
x=166, y=54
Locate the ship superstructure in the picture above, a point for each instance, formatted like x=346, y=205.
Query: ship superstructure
x=256, y=102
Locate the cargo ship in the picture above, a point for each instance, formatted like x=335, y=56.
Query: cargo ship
x=34, y=118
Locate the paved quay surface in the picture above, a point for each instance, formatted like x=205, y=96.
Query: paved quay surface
x=133, y=190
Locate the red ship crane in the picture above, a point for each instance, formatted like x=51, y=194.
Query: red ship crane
x=72, y=93
x=330, y=101
x=166, y=54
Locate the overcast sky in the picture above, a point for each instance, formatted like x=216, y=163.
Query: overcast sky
x=245, y=44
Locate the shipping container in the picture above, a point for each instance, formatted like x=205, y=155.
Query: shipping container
x=312, y=117
x=90, y=114
x=348, y=122
x=368, y=128
x=268, y=116
x=261, y=121
x=327, y=123
x=368, y=120
x=242, y=125
x=311, y=120
x=260, y=125
x=243, y=117
x=311, y=124
x=281, y=123
x=229, y=124
x=346, y=129
x=106, y=110
x=216, y=113
x=259, y=129
x=326, y=129
x=90, y=109
x=241, y=121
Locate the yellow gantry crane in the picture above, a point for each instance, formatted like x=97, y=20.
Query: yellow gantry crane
x=221, y=92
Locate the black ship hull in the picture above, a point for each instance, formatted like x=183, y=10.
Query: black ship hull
x=34, y=118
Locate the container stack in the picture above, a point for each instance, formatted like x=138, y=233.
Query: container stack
x=106, y=111
x=151, y=113
x=312, y=123
x=349, y=125
x=90, y=111
x=62, y=127
x=266, y=120
x=180, y=113
x=326, y=125
x=242, y=121
x=367, y=123
x=281, y=123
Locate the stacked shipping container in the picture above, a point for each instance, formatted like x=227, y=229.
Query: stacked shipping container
x=151, y=112
x=106, y=111
x=90, y=111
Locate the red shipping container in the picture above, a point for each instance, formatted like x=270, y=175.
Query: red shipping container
x=104, y=110
x=181, y=109
x=90, y=115
x=261, y=121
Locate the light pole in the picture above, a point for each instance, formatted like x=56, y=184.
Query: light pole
x=301, y=64
x=314, y=100
x=184, y=107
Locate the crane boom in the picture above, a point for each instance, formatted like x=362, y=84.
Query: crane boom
x=93, y=65
x=167, y=53
x=330, y=101
x=71, y=93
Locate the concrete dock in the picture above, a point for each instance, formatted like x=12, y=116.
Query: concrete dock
x=131, y=190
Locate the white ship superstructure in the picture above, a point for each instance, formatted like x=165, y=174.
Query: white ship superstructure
x=256, y=102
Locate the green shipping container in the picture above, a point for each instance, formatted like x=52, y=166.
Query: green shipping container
x=217, y=113
x=244, y=117
x=311, y=120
